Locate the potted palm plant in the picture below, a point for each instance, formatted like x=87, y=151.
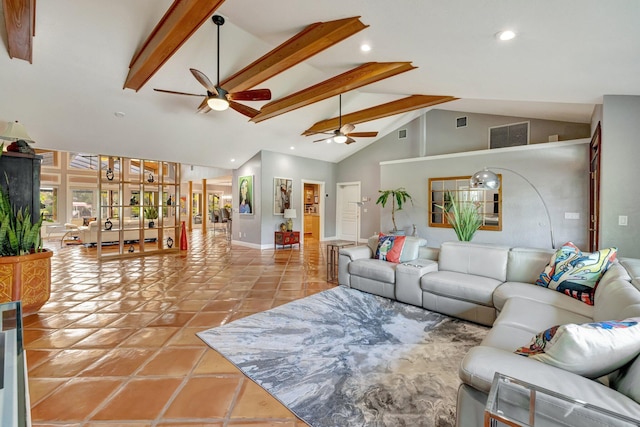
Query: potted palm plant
x=398, y=196
x=462, y=215
x=151, y=213
x=25, y=265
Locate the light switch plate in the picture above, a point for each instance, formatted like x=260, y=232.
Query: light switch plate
x=622, y=220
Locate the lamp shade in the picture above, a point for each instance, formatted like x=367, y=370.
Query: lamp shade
x=15, y=132
x=485, y=180
x=290, y=213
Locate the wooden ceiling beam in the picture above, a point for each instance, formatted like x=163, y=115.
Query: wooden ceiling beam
x=312, y=40
x=20, y=21
x=365, y=74
x=392, y=108
x=182, y=19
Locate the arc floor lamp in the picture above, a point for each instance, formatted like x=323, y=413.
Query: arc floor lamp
x=488, y=180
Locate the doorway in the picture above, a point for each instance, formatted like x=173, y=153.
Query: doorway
x=594, y=190
x=348, y=211
x=312, y=209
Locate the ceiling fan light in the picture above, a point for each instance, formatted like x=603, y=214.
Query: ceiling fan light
x=340, y=139
x=218, y=104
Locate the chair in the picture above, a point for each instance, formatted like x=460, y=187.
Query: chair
x=71, y=230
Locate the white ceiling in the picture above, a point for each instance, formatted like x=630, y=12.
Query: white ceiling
x=567, y=55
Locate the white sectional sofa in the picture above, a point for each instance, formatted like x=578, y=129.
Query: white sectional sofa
x=494, y=285
x=88, y=235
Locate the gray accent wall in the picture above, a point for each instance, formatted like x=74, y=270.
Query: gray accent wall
x=435, y=133
x=559, y=171
x=619, y=173
x=258, y=229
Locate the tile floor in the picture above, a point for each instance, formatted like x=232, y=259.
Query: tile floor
x=116, y=345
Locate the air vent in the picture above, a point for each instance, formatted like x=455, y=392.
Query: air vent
x=402, y=134
x=461, y=122
x=511, y=135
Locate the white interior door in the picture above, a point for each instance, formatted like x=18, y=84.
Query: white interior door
x=347, y=210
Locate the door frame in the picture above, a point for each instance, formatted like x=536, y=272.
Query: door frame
x=321, y=206
x=595, y=154
x=339, y=190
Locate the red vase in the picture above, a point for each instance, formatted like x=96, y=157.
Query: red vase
x=183, y=238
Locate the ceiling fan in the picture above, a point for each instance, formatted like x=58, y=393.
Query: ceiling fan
x=216, y=97
x=345, y=133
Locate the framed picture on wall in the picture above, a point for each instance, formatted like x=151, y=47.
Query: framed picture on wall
x=245, y=186
x=281, y=195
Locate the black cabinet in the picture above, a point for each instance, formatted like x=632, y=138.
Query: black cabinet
x=23, y=174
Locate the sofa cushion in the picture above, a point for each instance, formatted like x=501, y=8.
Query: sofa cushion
x=575, y=273
x=537, y=293
x=525, y=264
x=590, y=349
x=375, y=269
x=627, y=380
x=474, y=258
x=465, y=287
x=616, y=299
x=389, y=248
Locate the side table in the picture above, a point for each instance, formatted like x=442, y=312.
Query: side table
x=516, y=403
x=333, y=255
x=284, y=238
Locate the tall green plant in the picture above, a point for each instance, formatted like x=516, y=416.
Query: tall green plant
x=399, y=196
x=18, y=236
x=463, y=216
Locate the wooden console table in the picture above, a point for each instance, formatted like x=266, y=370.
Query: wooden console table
x=284, y=238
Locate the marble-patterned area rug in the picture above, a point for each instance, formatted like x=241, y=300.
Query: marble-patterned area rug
x=348, y=358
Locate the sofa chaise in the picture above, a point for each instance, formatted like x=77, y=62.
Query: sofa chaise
x=495, y=286
x=88, y=235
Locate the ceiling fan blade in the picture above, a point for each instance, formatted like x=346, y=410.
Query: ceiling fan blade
x=179, y=93
x=251, y=95
x=347, y=128
x=349, y=140
x=204, y=107
x=204, y=81
x=362, y=134
x=243, y=109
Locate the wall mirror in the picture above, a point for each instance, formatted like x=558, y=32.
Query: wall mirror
x=488, y=202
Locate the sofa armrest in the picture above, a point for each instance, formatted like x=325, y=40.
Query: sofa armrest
x=481, y=363
x=346, y=257
x=356, y=252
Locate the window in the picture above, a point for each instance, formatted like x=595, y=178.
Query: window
x=49, y=203
x=83, y=203
x=488, y=202
x=509, y=135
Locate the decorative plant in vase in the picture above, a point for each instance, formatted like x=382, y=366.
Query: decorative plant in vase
x=151, y=213
x=25, y=264
x=462, y=215
x=399, y=196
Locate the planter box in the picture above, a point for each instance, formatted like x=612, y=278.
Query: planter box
x=26, y=278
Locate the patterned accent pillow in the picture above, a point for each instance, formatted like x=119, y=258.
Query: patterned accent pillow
x=576, y=273
x=389, y=248
x=590, y=349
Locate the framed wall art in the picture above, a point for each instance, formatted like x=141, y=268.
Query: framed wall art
x=245, y=199
x=282, y=188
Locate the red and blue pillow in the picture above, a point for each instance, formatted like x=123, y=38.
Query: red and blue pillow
x=389, y=248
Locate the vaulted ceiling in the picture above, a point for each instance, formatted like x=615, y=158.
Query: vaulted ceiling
x=76, y=63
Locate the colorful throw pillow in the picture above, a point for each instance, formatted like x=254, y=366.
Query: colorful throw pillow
x=590, y=349
x=576, y=273
x=389, y=247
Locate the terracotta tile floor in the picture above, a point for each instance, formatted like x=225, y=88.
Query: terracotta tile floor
x=116, y=344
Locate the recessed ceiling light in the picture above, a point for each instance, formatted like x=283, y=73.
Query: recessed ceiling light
x=233, y=160
x=292, y=148
x=505, y=35
x=365, y=47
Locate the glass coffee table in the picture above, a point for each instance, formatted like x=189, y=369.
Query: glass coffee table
x=14, y=394
x=516, y=403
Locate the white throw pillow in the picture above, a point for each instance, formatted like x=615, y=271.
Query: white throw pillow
x=590, y=349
